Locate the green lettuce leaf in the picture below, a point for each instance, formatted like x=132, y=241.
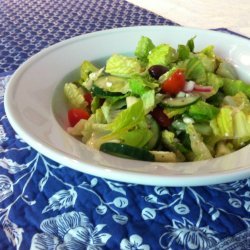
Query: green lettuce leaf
x=209, y=63
x=144, y=46
x=148, y=99
x=232, y=87
x=74, y=95
x=222, y=125
x=239, y=100
x=86, y=69
x=111, y=107
x=183, y=52
x=190, y=44
x=195, y=70
x=227, y=70
x=137, y=85
x=241, y=125
x=209, y=51
x=126, y=120
x=162, y=54
x=215, y=81
x=202, y=111
x=137, y=137
x=199, y=148
x=123, y=66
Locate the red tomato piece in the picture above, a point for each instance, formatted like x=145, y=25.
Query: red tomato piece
x=175, y=83
x=76, y=114
x=88, y=98
x=161, y=118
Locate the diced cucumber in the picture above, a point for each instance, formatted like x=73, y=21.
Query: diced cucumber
x=180, y=102
x=155, y=140
x=110, y=86
x=126, y=151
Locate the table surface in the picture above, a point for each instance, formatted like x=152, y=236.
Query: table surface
x=203, y=14
x=44, y=205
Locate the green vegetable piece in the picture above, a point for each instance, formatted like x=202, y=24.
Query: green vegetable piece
x=227, y=70
x=209, y=51
x=209, y=63
x=126, y=151
x=144, y=46
x=180, y=102
x=241, y=125
x=111, y=107
x=166, y=75
x=155, y=140
x=110, y=86
x=128, y=118
x=95, y=104
x=202, y=111
x=99, y=116
x=137, y=137
x=86, y=69
x=216, y=99
x=195, y=70
x=232, y=87
x=239, y=100
x=183, y=52
x=163, y=54
x=148, y=99
x=137, y=85
x=124, y=121
x=222, y=125
x=172, y=143
x=215, y=81
x=74, y=95
x=179, y=125
x=123, y=66
x=190, y=43
x=203, y=128
x=171, y=112
x=199, y=148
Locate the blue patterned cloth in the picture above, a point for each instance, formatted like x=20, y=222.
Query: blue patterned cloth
x=44, y=205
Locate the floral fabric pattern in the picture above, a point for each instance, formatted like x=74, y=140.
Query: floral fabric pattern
x=70, y=231
x=46, y=205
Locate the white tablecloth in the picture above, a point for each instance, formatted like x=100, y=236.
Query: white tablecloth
x=230, y=14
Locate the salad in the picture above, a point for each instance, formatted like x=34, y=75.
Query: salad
x=161, y=104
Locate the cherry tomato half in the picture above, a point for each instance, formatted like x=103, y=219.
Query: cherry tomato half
x=175, y=83
x=76, y=114
x=160, y=117
x=88, y=98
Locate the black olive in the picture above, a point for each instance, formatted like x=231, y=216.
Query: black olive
x=157, y=70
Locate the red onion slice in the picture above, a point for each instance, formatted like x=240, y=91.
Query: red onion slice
x=201, y=88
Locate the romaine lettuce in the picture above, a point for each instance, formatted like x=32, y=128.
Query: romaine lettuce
x=144, y=46
x=86, y=69
x=199, y=148
x=124, y=66
x=74, y=95
x=162, y=54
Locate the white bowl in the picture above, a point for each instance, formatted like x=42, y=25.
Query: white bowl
x=36, y=108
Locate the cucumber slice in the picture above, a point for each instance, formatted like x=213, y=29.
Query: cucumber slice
x=126, y=151
x=102, y=93
x=155, y=140
x=180, y=102
x=110, y=86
